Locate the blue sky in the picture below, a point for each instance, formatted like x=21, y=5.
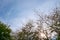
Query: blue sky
x=15, y=12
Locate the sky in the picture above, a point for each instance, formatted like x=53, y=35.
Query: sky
x=15, y=12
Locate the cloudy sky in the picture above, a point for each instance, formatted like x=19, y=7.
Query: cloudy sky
x=14, y=12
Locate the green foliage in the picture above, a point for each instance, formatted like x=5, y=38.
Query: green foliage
x=58, y=38
x=4, y=32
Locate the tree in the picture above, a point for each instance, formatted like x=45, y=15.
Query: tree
x=52, y=21
x=55, y=21
x=4, y=32
x=27, y=32
x=44, y=35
